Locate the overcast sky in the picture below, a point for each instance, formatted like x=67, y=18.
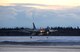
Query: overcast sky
x=20, y=13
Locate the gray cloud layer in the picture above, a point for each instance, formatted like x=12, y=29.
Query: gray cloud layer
x=18, y=15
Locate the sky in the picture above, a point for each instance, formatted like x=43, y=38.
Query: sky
x=20, y=13
x=47, y=2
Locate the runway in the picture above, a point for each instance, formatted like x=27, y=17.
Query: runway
x=24, y=48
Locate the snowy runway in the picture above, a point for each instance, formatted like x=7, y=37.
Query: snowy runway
x=22, y=48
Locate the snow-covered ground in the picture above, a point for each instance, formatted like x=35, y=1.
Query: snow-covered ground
x=40, y=38
x=23, y=48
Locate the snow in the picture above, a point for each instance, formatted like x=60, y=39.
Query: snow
x=41, y=38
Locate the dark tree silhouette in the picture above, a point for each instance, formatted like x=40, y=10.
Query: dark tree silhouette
x=49, y=31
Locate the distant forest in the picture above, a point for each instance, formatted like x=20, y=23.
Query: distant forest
x=48, y=31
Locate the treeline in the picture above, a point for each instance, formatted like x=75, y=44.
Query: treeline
x=18, y=31
x=65, y=31
x=49, y=31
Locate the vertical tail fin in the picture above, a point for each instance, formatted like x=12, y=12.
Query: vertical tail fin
x=34, y=27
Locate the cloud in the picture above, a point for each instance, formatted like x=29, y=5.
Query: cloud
x=39, y=6
x=22, y=15
x=47, y=2
x=7, y=13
